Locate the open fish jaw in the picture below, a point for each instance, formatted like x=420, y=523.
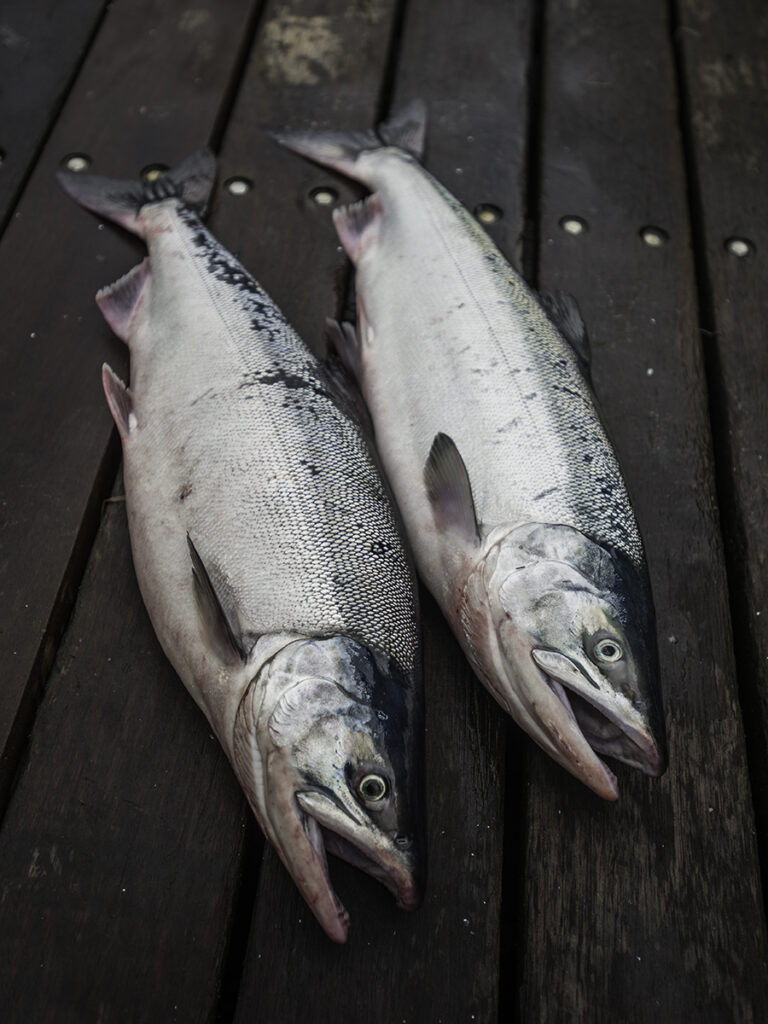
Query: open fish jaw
x=321, y=718
x=615, y=738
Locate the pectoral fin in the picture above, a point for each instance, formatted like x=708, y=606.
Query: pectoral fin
x=221, y=628
x=449, y=490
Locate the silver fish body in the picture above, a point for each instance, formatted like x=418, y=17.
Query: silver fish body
x=512, y=497
x=267, y=549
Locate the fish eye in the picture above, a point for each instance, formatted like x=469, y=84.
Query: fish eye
x=608, y=650
x=372, y=788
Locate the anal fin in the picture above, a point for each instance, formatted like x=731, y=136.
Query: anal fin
x=118, y=301
x=449, y=489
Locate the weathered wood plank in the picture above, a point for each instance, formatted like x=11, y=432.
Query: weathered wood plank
x=648, y=910
x=726, y=87
x=41, y=46
x=132, y=104
x=121, y=849
x=440, y=963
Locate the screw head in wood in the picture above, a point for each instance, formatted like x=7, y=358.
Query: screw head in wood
x=573, y=225
x=153, y=171
x=655, y=237
x=487, y=213
x=76, y=162
x=238, y=186
x=740, y=247
x=324, y=195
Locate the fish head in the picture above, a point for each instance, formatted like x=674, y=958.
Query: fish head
x=328, y=746
x=569, y=638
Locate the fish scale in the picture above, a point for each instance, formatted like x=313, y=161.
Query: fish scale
x=277, y=417
x=266, y=546
x=495, y=335
x=512, y=497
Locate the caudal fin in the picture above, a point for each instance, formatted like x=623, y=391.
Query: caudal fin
x=406, y=130
x=121, y=201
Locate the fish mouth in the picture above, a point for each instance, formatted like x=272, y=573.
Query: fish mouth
x=608, y=722
x=331, y=828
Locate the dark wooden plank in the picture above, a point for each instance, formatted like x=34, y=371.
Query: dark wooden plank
x=726, y=87
x=442, y=962
x=151, y=90
x=120, y=852
x=41, y=47
x=648, y=910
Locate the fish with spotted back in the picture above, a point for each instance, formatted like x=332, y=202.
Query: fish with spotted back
x=267, y=549
x=514, y=503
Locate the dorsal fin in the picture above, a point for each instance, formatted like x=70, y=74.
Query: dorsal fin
x=563, y=311
x=222, y=632
x=449, y=489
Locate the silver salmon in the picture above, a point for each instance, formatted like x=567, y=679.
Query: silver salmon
x=512, y=497
x=267, y=550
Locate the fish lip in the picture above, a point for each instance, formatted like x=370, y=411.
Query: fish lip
x=652, y=762
x=387, y=867
x=335, y=922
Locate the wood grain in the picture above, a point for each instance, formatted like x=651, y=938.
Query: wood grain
x=726, y=92
x=41, y=46
x=649, y=910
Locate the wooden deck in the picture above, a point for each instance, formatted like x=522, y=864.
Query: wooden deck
x=134, y=884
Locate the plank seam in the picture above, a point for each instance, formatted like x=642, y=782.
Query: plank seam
x=46, y=134
x=730, y=521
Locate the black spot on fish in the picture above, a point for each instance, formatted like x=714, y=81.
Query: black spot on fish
x=314, y=471
x=379, y=547
x=543, y=494
x=185, y=492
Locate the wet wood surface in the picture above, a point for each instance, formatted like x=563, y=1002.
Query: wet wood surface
x=134, y=884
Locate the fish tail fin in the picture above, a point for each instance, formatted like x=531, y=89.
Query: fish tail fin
x=121, y=201
x=339, y=150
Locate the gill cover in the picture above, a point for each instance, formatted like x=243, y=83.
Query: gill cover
x=568, y=630
x=327, y=748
